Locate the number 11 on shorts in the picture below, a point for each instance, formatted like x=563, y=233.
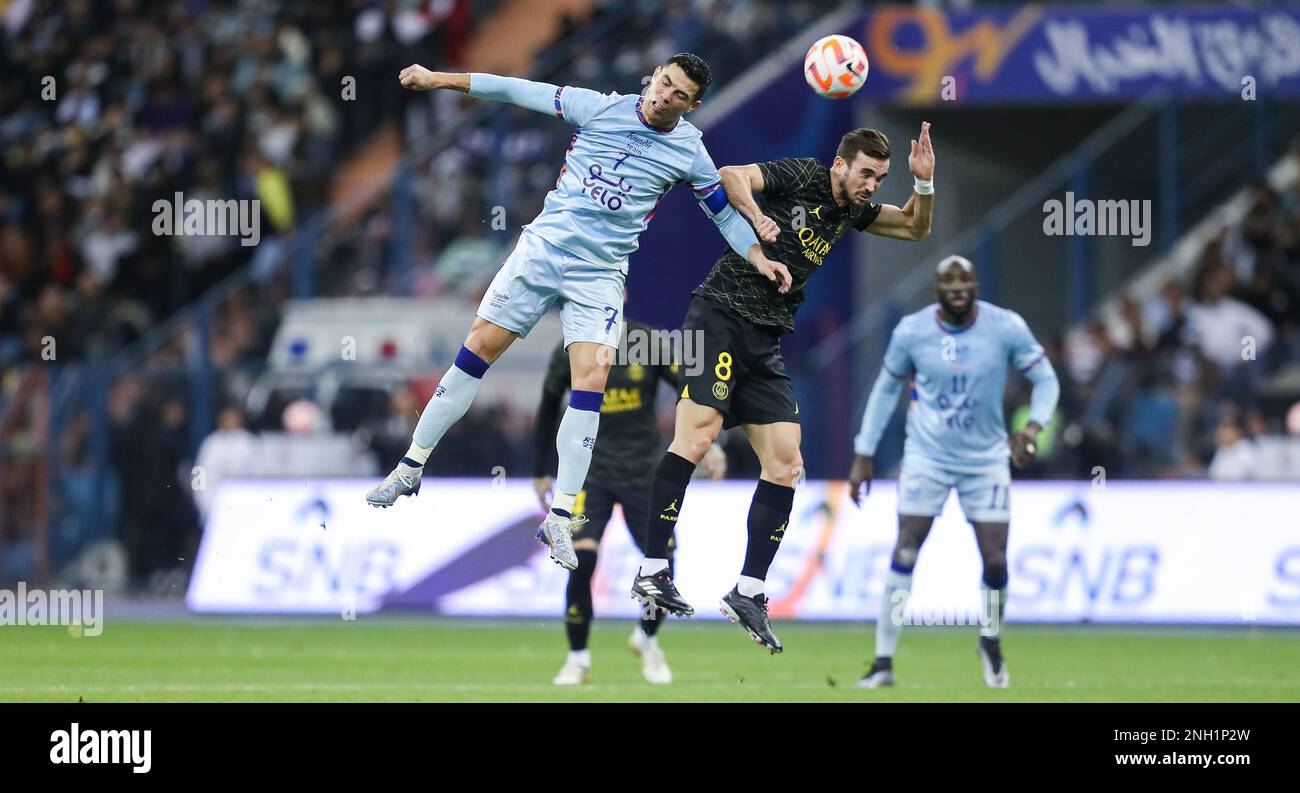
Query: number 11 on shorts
x=1005, y=491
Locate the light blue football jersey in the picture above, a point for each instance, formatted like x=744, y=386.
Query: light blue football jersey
x=616, y=171
x=958, y=378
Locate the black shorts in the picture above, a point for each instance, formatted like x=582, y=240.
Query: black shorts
x=743, y=375
x=596, y=500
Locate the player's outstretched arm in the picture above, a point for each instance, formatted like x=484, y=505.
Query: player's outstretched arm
x=418, y=78
x=539, y=97
x=875, y=417
x=741, y=182
x=912, y=220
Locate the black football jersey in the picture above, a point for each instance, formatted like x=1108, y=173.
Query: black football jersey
x=797, y=196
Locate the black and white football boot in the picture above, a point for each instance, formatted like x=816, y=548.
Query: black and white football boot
x=658, y=591
x=750, y=613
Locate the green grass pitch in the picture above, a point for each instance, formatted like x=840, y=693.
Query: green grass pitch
x=422, y=659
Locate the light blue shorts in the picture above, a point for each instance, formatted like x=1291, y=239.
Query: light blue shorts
x=537, y=274
x=923, y=488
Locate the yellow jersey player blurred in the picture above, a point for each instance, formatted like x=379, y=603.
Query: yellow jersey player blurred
x=622, y=466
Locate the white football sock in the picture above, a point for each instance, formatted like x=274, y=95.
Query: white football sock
x=574, y=442
x=449, y=402
x=893, y=604
x=993, y=603
x=652, y=566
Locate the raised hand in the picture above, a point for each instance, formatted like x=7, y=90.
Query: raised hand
x=921, y=160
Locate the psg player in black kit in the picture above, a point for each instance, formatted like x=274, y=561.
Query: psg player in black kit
x=741, y=314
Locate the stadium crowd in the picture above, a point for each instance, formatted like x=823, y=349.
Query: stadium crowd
x=113, y=104
x=1202, y=379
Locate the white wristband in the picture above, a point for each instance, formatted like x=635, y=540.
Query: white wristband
x=923, y=186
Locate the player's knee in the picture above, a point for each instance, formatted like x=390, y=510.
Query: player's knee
x=590, y=380
x=905, y=557
x=785, y=468
x=694, y=443
x=487, y=341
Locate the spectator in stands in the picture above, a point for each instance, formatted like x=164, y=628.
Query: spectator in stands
x=227, y=452
x=1227, y=332
x=1234, y=460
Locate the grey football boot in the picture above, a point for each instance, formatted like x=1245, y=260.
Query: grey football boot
x=403, y=481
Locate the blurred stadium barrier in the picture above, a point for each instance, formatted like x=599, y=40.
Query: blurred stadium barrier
x=1125, y=552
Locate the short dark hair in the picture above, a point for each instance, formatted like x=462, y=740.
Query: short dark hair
x=696, y=69
x=871, y=142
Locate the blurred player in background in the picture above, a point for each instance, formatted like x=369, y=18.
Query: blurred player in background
x=622, y=466
x=955, y=353
x=627, y=153
x=741, y=317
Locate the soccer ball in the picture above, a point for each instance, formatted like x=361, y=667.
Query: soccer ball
x=835, y=66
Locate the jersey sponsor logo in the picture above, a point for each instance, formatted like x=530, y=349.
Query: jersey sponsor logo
x=621, y=400
x=607, y=189
x=637, y=144
x=499, y=299
x=720, y=390
x=815, y=246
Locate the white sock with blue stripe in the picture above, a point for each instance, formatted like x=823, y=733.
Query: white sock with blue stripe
x=449, y=402
x=574, y=442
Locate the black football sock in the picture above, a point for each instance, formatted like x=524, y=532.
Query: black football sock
x=769, y=513
x=577, y=601
x=666, y=496
x=649, y=627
